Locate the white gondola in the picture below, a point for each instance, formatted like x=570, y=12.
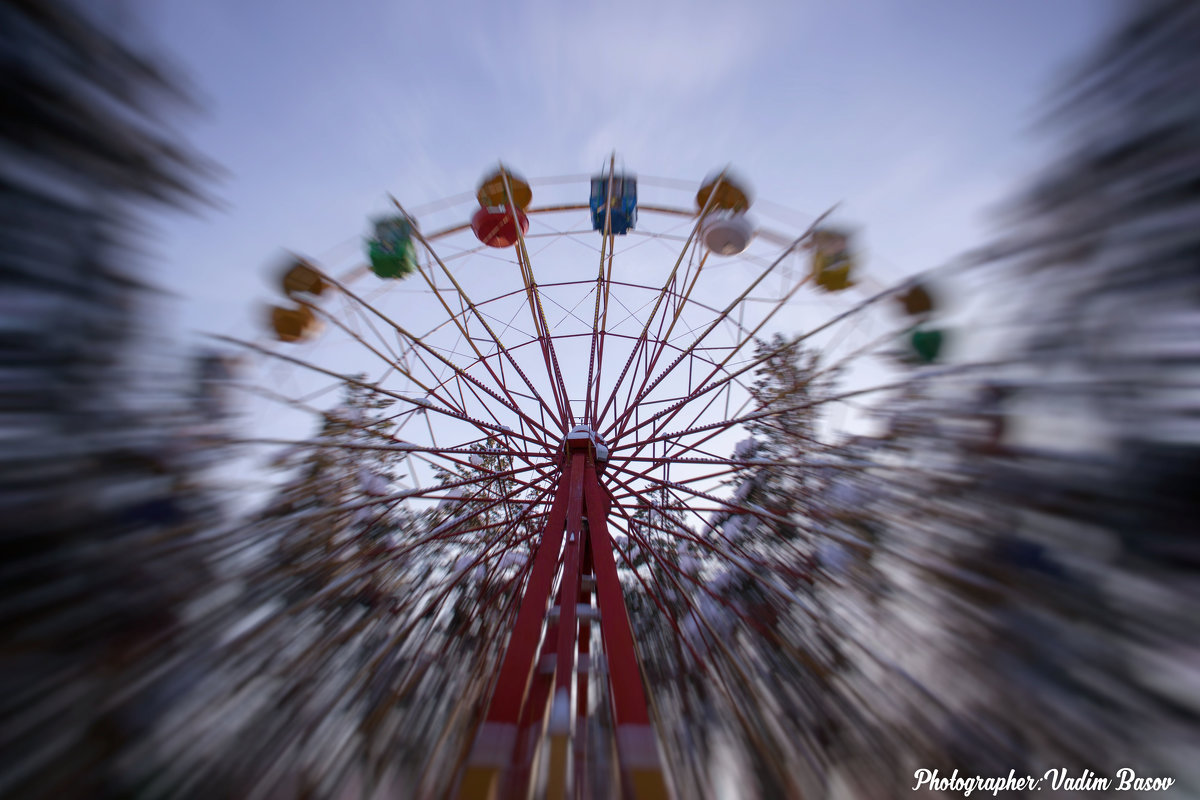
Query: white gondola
x=727, y=234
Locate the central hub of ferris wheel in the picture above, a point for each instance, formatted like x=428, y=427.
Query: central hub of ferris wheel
x=584, y=437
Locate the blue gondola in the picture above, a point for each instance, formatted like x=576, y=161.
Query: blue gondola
x=624, y=203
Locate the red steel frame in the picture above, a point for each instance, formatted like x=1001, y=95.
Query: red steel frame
x=549, y=655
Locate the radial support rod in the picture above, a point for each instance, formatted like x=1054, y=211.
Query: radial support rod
x=643, y=337
x=481, y=318
x=606, y=247
x=620, y=424
x=545, y=338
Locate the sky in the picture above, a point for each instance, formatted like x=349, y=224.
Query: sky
x=915, y=116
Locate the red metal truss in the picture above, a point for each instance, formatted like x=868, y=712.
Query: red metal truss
x=550, y=656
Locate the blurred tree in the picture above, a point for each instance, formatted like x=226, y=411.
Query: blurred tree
x=1114, y=231
x=335, y=506
x=728, y=647
x=1066, y=564
x=787, y=391
x=101, y=534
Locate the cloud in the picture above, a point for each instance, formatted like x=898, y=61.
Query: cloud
x=624, y=75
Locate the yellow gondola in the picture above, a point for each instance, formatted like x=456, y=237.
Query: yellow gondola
x=730, y=194
x=294, y=324
x=491, y=192
x=302, y=276
x=832, y=262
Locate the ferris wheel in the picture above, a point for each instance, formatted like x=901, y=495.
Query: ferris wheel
x=556, y=412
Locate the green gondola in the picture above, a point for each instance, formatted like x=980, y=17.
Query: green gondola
x=925, y=344
x=391, y=250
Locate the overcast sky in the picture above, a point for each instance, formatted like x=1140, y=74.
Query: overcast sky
x=914, y=114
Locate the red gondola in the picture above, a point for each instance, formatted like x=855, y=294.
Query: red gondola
x=496, y=227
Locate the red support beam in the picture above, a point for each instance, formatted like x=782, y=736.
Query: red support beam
x=533, y=717
x=533, y=695
x=495, y=741
x=559, y=727
x=637, y=746
x=586, y=666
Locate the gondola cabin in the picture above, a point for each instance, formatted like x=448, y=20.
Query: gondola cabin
x=391, y=250
x=832, y=263
x=726, y=233
x=497, y=227
x=301, y=277
x=917, y=301
x=727, y=193
x=618, y=210
x=294, y=324
x=492, y=194
x=925, y=345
